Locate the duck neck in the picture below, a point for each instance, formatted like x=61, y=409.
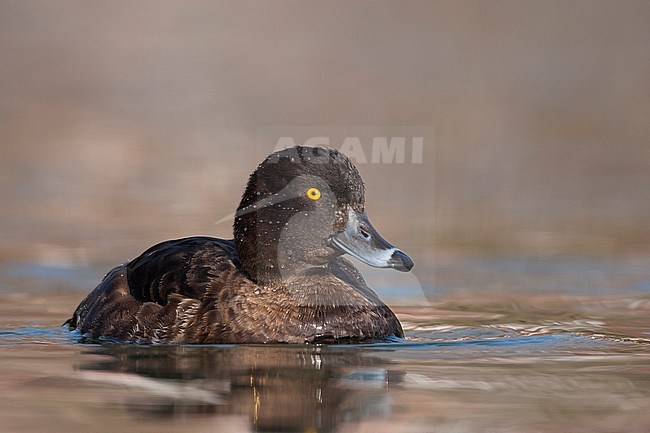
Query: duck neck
x=257, y=248
x=269, y=255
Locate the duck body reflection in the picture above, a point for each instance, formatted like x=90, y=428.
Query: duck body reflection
x=274, y=388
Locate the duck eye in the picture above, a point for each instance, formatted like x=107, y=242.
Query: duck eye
x=313, y=193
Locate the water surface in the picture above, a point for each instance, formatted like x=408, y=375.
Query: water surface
x=497, y=362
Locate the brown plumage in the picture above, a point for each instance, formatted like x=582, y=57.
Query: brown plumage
x=281, y=280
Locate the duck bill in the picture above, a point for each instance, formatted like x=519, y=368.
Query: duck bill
x=361, y=240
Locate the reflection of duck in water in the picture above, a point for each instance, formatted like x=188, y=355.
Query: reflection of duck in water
x=274, y=388
x=282, y=279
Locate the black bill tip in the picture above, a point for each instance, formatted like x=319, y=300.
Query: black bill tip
x=400, y=261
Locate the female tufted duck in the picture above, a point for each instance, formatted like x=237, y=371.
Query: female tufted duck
x=282, y=279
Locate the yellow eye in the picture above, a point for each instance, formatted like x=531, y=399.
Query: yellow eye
x=313, y=193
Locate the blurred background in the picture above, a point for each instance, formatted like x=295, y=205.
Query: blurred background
x=125, y=123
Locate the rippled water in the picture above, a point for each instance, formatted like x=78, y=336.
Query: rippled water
x=515, y=362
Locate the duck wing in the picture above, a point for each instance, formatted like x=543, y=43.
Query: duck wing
x=186, y=267
x=154, y=295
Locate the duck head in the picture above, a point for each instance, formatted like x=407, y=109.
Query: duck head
x=302, y=208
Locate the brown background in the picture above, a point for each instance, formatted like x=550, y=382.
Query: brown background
x=124, y=123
